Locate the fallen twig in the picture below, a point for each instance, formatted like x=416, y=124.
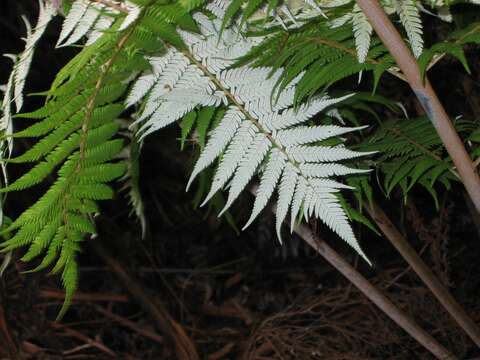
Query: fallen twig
x=78, y=335
x=230, y=309
x=221, y=354
x=79, y=296
x=131, y=325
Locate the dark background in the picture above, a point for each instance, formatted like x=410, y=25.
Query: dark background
x=237, y=296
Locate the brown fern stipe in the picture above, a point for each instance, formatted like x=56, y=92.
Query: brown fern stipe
x=373, y=294
x=435, y=111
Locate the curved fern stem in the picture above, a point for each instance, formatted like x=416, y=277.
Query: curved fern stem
x=373, y=294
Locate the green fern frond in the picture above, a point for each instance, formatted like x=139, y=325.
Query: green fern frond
x=412, y=153
x=77, y=130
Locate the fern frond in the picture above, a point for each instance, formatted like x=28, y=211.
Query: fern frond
x=253, y=131
x=78, y=128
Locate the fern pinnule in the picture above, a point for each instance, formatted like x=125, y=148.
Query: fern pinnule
x=268, y=182
x=247, y=168
x=286, y=191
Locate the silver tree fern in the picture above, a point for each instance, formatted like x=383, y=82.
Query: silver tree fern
x=256, y=134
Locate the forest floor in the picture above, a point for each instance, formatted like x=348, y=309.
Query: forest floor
x=194, y=282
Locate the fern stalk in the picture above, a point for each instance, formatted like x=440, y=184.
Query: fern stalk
x=430, y=102
x=421, y=269
x=372, y=293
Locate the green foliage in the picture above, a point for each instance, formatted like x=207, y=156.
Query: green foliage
x=202, y=121
x=319, y=55
x=78, y=151
x=453, y=46
x=410, y=153
x=76, y=141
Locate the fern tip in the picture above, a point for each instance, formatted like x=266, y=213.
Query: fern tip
x=248, y=223
x=190, y=181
